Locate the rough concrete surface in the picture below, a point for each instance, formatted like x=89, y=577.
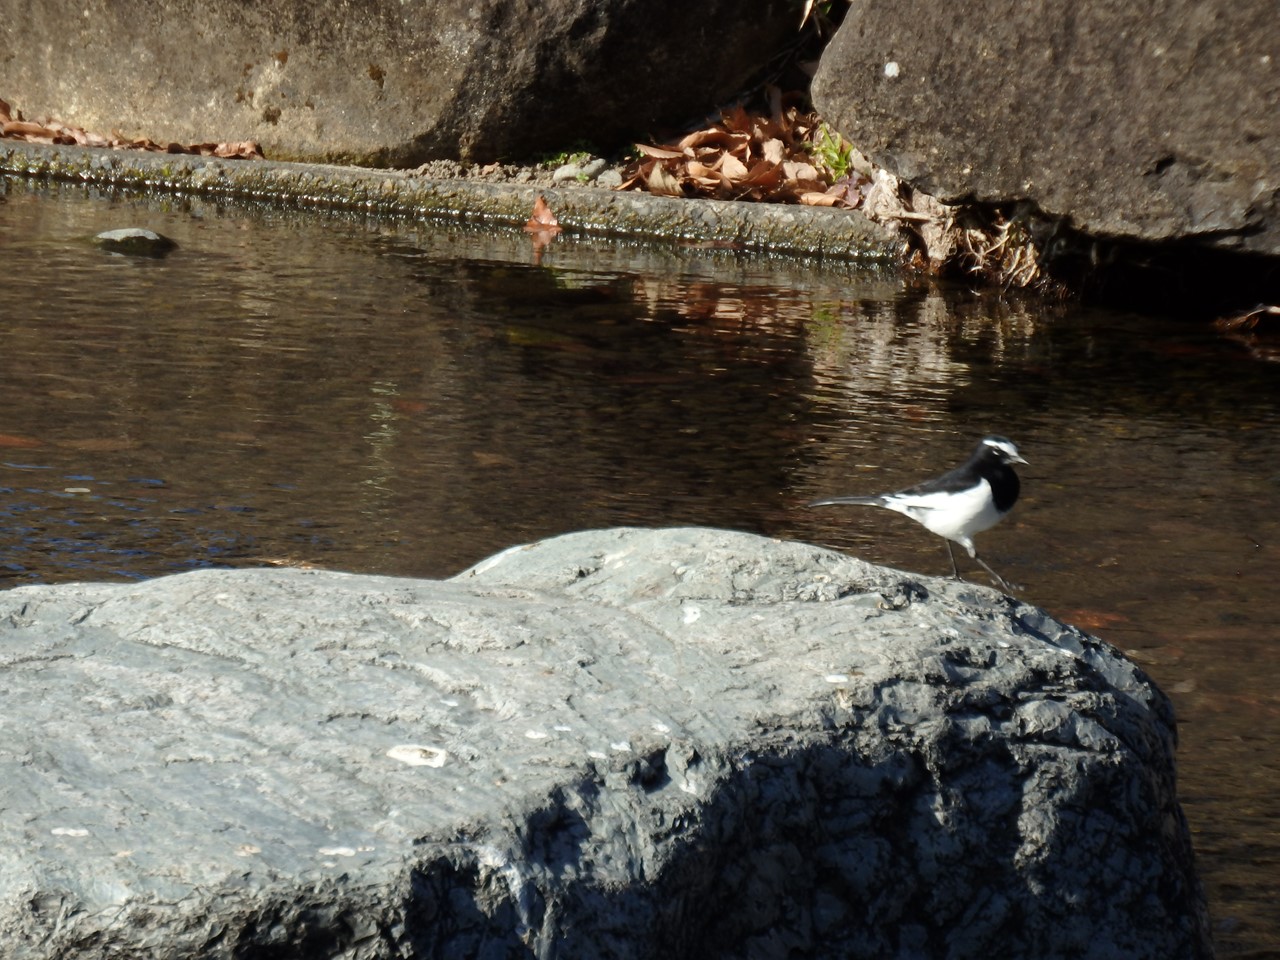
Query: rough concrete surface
x=385, y=82
x=580, y=209
x=1139, y=121
x=626, y=743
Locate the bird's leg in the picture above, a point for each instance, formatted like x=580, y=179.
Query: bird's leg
x=955, y=572
x=1004, y=584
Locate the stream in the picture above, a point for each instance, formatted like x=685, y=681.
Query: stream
x=406, y=397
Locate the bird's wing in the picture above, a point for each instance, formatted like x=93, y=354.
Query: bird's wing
x=960, y=501
x=953, y=481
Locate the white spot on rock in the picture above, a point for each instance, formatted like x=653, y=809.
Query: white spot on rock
x=891, y=69
x=69, y=832
x=692, y=613
x=416, y=755
x=836, y=678
x=536, y=734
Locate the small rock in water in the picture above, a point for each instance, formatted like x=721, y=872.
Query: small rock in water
x=135, y=241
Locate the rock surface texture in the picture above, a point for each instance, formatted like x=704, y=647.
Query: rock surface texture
x=386, y=82
x=1147, y=122
x=679, y=743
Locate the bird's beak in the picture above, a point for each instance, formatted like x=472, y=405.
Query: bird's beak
x=1020, y=460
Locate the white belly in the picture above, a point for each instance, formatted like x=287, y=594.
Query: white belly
x=954, y=516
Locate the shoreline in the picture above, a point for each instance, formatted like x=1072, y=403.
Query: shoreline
x=580, y=209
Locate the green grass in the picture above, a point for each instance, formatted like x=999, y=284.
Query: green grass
x=576, y=153
x=833, y=153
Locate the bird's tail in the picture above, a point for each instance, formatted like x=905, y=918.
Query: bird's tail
x=839, y=501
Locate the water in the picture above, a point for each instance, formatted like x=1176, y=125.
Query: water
x=408, y=398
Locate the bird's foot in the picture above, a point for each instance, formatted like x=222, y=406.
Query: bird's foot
x=1006, y=585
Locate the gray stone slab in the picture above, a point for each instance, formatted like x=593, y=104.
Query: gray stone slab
x=621, y=743
x=1146, y=122
x=387, y=82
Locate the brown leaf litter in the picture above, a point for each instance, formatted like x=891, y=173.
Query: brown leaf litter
x=768, y=157
x=14, y=127
x=787, y=155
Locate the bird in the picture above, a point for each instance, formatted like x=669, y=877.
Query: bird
x=973, y=497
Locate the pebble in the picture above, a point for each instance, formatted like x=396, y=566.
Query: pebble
x=583, y=172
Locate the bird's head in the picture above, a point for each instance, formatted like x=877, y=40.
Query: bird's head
x=1002, y=449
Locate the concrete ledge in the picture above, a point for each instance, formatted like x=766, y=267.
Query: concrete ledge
x=588, y=210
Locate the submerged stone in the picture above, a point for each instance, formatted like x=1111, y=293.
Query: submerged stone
x=135, y=241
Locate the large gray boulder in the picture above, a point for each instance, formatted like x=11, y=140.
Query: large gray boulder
x=385, y=82
x=1147, y=122
x=626, y=744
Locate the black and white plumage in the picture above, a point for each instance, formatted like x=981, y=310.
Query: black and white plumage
x=973, y=497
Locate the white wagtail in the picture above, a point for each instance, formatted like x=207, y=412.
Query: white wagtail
x=973, y=497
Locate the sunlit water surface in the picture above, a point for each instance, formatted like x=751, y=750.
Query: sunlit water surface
x=408, y=398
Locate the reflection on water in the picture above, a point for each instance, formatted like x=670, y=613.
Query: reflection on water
x=408, y=398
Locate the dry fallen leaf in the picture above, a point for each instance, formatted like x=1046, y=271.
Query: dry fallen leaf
x=543, y=220
x=542, y=227
x=662, y=153
x=663, y=183
x=731, y=167
x=14, y=127
x=714, y=138
x=774, y=150
x=818, y=199
x=798, y=170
